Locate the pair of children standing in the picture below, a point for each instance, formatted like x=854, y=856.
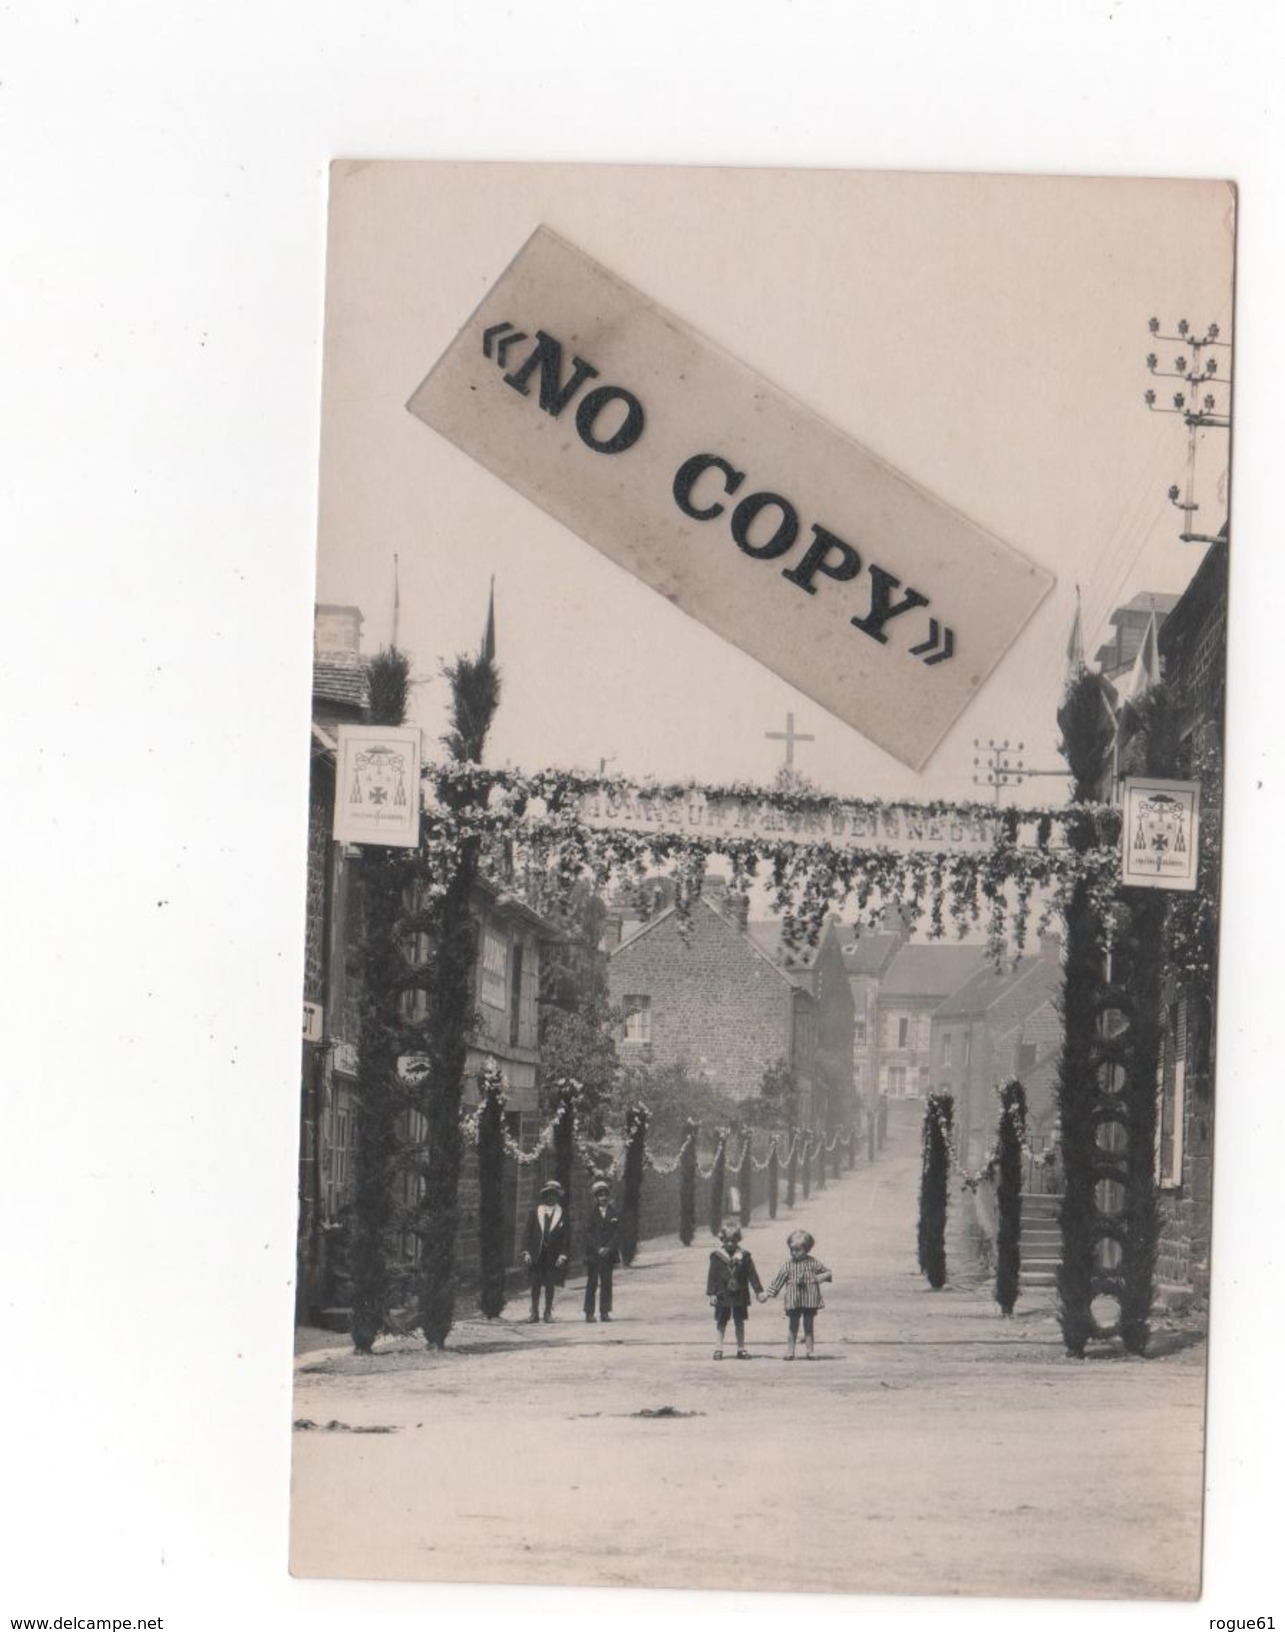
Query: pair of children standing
x=732, y=1275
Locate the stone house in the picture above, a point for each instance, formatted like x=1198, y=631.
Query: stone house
x=866, y=958
x=506, y=979
x=1193, y=650
x=1114, y=658
x=326, y=1122
x=827, y=973
x=702, y=994
x=914, y=983
x=1000, y=1023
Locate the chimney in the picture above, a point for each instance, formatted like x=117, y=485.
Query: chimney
x=737, y=908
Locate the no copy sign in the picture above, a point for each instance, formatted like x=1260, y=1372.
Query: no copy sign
x=733, y=501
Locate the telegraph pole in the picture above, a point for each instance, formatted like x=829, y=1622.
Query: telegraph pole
x=1205, y=405
x=1002, y=766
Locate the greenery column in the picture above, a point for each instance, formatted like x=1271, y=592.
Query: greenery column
x=631, y=1204
x=1008, y=1247
x=687, y=1184
x=938, y=1117
x=475, y=693
x=490, y=1179
x=385, y=874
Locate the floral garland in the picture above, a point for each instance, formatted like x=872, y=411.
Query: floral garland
x=986, y=1173
x=535, y=823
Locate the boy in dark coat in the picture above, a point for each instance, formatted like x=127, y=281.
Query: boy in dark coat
x=731, y=1276
x=545, y=1248
x=601, y=1251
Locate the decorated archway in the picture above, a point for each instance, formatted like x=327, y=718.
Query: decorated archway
x=963, y=869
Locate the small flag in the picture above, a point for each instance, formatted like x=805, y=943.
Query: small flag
x=488, y=636
x=1145, y=673
x=1075, y=646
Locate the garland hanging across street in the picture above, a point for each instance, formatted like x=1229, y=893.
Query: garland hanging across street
x=545, y=822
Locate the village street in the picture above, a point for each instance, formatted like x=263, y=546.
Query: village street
x=932, y=1448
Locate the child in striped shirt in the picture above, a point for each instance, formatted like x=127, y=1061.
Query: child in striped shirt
x=800, y=1279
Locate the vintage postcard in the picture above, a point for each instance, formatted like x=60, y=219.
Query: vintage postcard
x=763, y=880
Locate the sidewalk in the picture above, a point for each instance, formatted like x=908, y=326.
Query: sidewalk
x=934, y=1447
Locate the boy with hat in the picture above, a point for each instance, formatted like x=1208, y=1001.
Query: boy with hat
x=545, y=1248
x=601, y=1251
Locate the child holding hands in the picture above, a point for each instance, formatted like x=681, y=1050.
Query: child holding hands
x=800, y=1278
x=731, y=1277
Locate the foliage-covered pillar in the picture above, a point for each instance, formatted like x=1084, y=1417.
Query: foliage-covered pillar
x=717, y=1182
x=792, y=1168
x=747, y=1180
x=805, y=1175
x=938, y=1117
x=475, y=692
x=773, y=1178
x=1008, y=1247
x=490, y=1179
x=564, y=1141
x=1139, y=973
x=687, y=1185
x=1085, y=720
x=820, y=1156
x=631, y=1205
x=384, y=876
x=379, y=1096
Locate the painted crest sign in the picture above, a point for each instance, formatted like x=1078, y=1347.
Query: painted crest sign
x=377, y=797
x=1160, y=834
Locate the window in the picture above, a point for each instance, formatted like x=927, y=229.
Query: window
x=945, y=1048
x=903, y=1031
x=495, y=969
x=968, y=1046
x=859, y=1032
x=1173, y=1087
x=637, y=1019
x=897, y=1081
x=515, y=997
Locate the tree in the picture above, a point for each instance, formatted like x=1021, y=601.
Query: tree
x=673, y=1095
x=578, y=1024
x=776, y=1103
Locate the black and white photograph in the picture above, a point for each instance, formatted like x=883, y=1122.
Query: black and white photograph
x=808, y=952
x=644, y=801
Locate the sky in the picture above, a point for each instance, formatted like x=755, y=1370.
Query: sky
x=985, y=335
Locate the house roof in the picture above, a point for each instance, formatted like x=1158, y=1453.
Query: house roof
x=988, y=985
x=790, y=979
x=340, y=677
x=870, y=952
x=1145, y=602
x=768, y=936
x=929, y=970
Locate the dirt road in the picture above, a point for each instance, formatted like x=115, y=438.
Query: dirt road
x=932, y=1448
